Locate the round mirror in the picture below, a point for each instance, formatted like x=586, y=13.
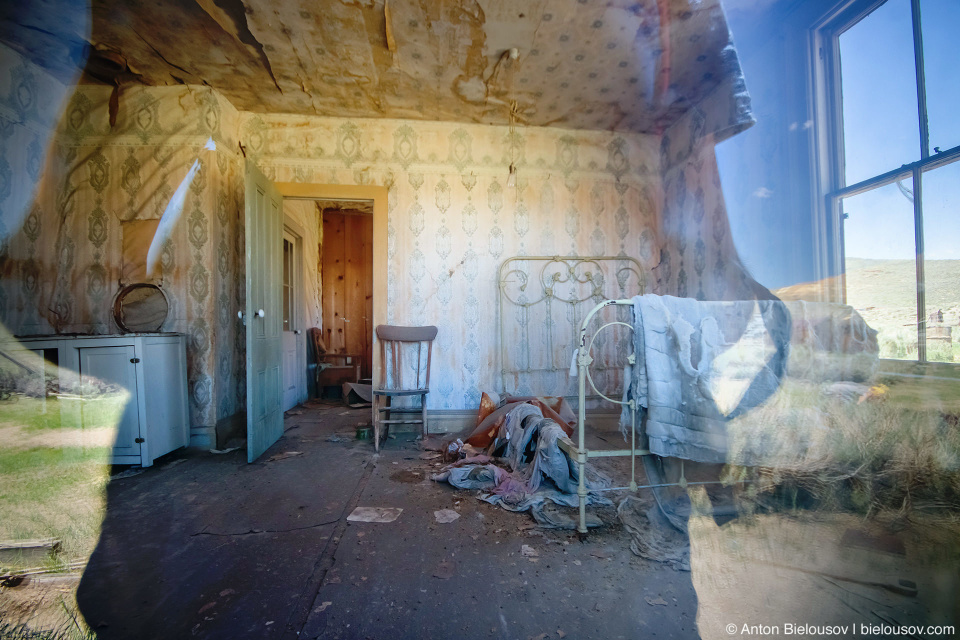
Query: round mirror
x=140, y=308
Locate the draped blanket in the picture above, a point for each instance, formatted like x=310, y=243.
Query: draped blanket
x=700, y=365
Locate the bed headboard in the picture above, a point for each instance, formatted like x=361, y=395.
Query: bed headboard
x=542, y=300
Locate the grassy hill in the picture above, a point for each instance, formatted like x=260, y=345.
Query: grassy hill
x=885, y=294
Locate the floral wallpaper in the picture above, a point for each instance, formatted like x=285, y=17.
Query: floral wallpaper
x=61, y=270
x=452, y=218
x=698, y=258
x=30, y=101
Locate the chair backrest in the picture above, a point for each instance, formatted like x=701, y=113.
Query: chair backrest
x=315, y=338
x=403, y=363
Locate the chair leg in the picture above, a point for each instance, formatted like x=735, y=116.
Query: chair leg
x=386, y=428
x=423, y=413
x=376, y=423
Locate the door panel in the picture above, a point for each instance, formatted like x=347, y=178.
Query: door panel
x=264, y=314
x=347, y=281
x=101, y=368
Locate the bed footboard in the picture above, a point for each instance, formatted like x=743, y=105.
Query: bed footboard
x=579, y=450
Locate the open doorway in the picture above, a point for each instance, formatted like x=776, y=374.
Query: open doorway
x=346, y=275
x=304, y=197
x=329, y=287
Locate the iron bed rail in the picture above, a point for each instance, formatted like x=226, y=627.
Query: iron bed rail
x=580, y=452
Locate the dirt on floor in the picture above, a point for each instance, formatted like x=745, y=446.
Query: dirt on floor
x=205, y=545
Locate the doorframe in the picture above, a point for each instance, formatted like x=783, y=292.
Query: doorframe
x=378, y=195
x=293, y=229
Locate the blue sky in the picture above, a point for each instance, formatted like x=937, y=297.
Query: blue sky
x=881, y=130
x=765, y=176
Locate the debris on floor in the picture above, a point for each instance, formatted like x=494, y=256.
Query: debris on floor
x=128, y=473
x=374, y=514
x=445, y=570
x=522, y=466
x=651, y=534
x=222, y=451
x=550, y=515
x=284, y=455
x=358, y=396
x=444, y=516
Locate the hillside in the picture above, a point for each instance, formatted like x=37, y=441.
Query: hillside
x=885, y=294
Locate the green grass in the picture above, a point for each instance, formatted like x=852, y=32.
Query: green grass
x=39, y=414
x=52, y=482
x=885, y=294
x=54, y=493
x=32, y=414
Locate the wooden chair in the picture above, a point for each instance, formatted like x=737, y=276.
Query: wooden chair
x=404, y=371
x=332, y=369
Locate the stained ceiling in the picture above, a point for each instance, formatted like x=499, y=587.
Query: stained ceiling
x=618, y=65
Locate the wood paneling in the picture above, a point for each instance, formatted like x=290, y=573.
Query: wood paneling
x=347, y=276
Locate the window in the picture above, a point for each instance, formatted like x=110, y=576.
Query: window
x=891, y=87
x=288, y=275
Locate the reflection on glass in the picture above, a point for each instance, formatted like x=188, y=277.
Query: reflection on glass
x=939, y=19
x=941, y=261
x=880, y=265
x=878, y=81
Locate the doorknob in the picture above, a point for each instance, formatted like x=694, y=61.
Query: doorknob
x=260, y=313
x=297, y=332
x=240, y=314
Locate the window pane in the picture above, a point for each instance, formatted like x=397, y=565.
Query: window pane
x=880, y=265
x=881, y=128
x=941, y=260
x=940, y=20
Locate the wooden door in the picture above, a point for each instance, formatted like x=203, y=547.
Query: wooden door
x=264, y=313
x=347, y=283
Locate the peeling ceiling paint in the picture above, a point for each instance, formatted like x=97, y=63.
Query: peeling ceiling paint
x=617, y=65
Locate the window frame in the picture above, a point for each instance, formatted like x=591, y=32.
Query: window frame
x=830, y=154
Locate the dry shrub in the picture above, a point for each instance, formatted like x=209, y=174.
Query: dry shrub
x=869, y=455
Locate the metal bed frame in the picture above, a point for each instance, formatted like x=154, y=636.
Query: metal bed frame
x=554, y=289
x=581, y=453
x=553, y=285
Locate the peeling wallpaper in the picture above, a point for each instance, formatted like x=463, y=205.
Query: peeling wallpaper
x=614, y=65
x=452, y=220
x=62, y=268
